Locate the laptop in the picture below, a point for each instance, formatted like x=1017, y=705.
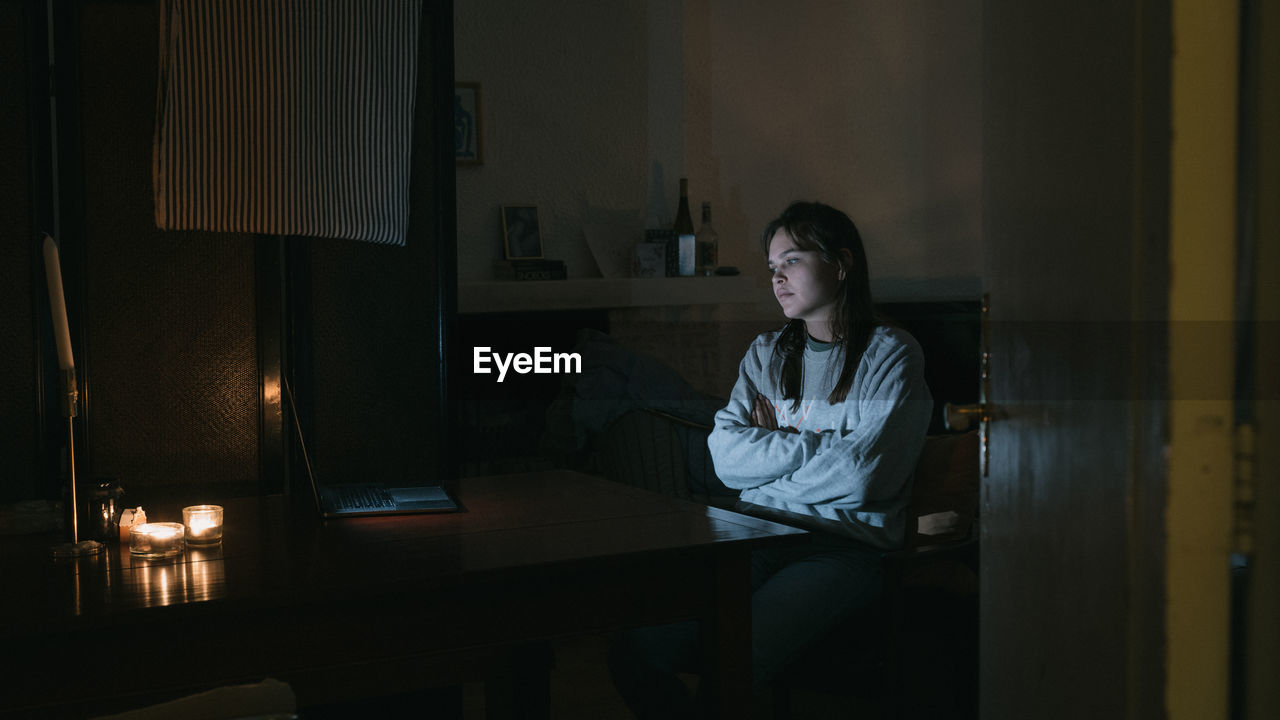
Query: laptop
x=364, y=499
x=369, y=499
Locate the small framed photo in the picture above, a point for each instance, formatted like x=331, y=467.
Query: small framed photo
x=651, y=260
x=522, y=238
x=467, y=146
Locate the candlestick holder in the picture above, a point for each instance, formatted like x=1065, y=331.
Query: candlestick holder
x=76, y=547
x=66, y=361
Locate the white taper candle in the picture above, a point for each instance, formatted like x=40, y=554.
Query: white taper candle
x=57, y=304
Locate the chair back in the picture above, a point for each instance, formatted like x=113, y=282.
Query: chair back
x=944, y=494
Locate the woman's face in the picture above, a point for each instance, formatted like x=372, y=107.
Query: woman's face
x=804, y=283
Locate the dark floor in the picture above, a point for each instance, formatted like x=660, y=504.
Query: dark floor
x=581, y=690
x=939, y=684
x=580, y=684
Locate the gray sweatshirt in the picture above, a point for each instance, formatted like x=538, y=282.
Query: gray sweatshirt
x=849, y=468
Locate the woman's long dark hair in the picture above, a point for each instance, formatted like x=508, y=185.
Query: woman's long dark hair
x=822, y=228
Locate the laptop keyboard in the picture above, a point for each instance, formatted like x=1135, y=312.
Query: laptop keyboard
x=362, y=498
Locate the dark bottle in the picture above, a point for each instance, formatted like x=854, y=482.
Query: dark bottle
x=708, y=242
x=685, y=249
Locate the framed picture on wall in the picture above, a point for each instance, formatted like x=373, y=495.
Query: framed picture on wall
x=467, y=146
x=522, y=239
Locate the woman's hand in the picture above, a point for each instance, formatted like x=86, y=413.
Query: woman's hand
x=763, y=415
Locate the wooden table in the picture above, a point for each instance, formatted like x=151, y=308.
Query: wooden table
x=371, y=606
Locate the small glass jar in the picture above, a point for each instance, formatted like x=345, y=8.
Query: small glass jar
x=156, y=540
x=105, y=506
x=203, y=524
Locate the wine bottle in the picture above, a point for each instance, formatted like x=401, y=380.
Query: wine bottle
x=685, y=249
x=708, y=243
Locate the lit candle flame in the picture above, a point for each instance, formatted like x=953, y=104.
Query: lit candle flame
x=201, y=523
x=159, y=533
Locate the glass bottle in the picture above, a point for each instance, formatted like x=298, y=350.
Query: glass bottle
x=685, y=248
x=708, y=243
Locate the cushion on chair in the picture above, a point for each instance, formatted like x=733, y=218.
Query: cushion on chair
x=944, y=494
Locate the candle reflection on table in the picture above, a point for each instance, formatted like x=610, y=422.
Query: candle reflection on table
x=205, y=573
x=199, y=574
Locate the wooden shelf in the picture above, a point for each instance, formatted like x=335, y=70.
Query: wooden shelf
x=596, y=293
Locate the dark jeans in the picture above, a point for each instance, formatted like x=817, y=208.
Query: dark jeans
x=798, y=595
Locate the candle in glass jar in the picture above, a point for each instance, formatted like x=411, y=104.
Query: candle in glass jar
x=203, y=523
x=156, y=539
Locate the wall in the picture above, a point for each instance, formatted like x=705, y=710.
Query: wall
x=21, y=439
x=564, y=97
x=593, y=111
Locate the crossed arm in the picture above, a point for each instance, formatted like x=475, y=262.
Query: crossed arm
x=850, y=468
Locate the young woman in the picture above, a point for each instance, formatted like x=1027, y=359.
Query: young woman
x=823, y=430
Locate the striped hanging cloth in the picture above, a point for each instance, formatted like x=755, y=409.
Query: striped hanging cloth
x=286, y=117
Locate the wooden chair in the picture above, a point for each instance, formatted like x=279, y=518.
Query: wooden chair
x=658, y=451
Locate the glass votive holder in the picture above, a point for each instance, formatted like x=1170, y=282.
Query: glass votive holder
x=105, y=505
x=203, y=524
x=156, y=540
